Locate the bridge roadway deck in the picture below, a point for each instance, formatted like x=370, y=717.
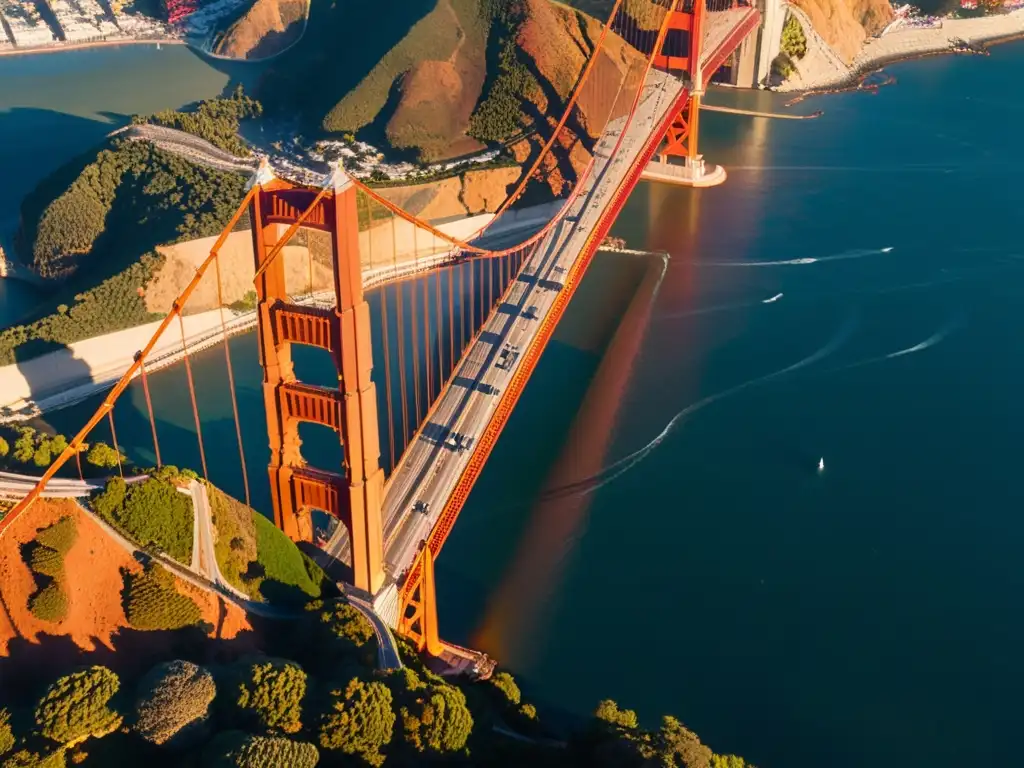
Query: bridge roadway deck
x=429, y=470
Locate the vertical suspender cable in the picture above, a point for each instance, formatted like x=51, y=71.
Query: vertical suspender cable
x=462, y=309
x=231, y=373
x=400, y=315
x=427, y=352
x=149, y=408
x=78, y=461
x=387, y=370
x=192, y=392
x=412, y=327
x=451, y=317
x=113, y=436
x=438, y=315
x=472, y=305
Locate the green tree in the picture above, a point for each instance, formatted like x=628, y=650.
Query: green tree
x=60, y=536
x=675, y=744
x=234, y=749
x=608, y=712
x=505, y=683
x=729, y=761
x=25, y=758
x=173, y=700
x=42, y=458
x=101, y=455
x=152, y=602
x=109, y=500
x=271, y=692
x=4, y=448
x=6, y=732
x=25, y=445
x=50, y=603
x=76, y=706
x=341, y=631
x=359, y=721
x=794, y=42
x=438, y=722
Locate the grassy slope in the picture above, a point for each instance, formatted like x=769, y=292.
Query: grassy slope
x=257, y=558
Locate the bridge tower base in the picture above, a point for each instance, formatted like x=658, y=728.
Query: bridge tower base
x=682, y=53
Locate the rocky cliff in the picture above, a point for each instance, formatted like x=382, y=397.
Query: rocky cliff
x=845, y=24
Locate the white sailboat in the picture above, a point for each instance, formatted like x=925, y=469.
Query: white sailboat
x=821, y=464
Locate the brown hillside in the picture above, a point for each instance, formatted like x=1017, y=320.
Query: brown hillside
x=266, y=29
x=844, y=24
x=94, y=567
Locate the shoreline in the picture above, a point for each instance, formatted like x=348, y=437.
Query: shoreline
x=60, y=47
x=910, y=45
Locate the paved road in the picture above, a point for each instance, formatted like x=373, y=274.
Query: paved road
x=204, y=556
x=16, y=486
x=429, y=470
x=387, y=649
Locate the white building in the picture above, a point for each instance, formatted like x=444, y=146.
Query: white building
x=25, y=23
x=82, y=20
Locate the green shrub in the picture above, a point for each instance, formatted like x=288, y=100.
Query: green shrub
x=112, y=305
x=215, y=120
x=173, y=699
x=438, y=721
x=359, y=721
x=151, y=601
x=151, y=513
x=25, y=758
x=102, y=456
x=280, y=561
x=271, y=693
x=234, y=749
x=499, y=115
x=729, y=761
x=60, y=536
x=76, y=707
x=340, y=631
x=794, y=42
x=50, y=603
x=46, y=561
x=4, y=448
x=505, y=683
x=6, y=732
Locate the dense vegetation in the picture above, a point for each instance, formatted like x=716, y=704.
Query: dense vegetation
x=215, y=120
x=257, y=558
x=94, y=224
x=151, y=513
x=46, y=561
x=28, y=450
x=327, y=706
x=499, y=115
x=112, y=305
x=152, y=602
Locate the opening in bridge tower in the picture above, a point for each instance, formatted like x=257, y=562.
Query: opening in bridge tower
x=354, y=495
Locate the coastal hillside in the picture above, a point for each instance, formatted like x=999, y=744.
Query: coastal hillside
x=845, y=24
x=111, y=658
x=440, y=78
x=266, y=29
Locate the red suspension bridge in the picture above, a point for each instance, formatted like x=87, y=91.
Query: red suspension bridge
x=462, y=326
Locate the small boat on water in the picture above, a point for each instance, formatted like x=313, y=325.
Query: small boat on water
x=821, y=464
x=776, y=297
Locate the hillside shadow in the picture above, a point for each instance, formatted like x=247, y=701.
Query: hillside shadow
x=40, y=142
x=342, y=44
x=50, y=367
x=30, y=665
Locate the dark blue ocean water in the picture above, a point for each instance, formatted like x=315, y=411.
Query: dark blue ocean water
x=685, y=556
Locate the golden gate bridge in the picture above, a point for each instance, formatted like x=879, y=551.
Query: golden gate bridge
x=462, y=325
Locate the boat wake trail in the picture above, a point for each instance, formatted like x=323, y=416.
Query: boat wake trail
x=937, y=337
x=856, y=254
x=623, y=465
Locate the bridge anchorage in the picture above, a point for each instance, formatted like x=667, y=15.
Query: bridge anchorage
x=459, y=342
